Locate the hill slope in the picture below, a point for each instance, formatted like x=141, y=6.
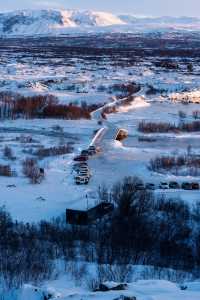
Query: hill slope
x=55, y=22
x=31, y=22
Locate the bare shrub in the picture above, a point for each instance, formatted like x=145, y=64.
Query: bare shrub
x=25, y=139
x=196, y=114
x=182, y=114
x=78, y=271
x=54, y=151
x=32, y=171
x=5, y=170
x=143, y=138
x=175, y=163
x=8, y=153
x=115, y=272
x=164, y=127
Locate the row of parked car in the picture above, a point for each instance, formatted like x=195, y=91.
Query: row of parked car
x=170, y=185
x=81, y=168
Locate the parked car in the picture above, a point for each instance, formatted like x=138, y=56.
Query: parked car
x=84, y=152
x=82, y=164
x=81, y=158
x=195, y=185
x=77, y=166
x=83, y=168
x=164, y=186
x=92, y=150
x=81, y=180
x=150, y=186
x=186, y=186
x=174, y=185
x=140, y=186
x=84, y=173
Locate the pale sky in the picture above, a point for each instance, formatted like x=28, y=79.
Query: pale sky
x=140, y=7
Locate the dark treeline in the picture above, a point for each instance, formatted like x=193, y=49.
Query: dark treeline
x=142, y=230
x=170, y=162
x=54, y=151
x=122, y=44
x=41, y=106
x=164, y=127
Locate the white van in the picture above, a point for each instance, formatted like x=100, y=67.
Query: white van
x=82, y=180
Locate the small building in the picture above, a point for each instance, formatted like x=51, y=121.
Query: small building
x=78, y=217
x=100, y=210
x=121, y=135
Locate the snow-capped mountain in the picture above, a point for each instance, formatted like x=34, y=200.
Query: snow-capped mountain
x=53, y=22
x=30, y=22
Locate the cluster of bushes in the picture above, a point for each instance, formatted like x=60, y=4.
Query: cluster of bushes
x=169, y=162
x=152, y=127
x=164, y=127
x=31, y=170
x=141, y=230
x=176, y=164
x=63, y=111
x=144, y=138
x=196, y=114
x=125, y=89
x=53, y=151
x=45, y=106
x=145, y=230
x=30, y=107
x=151, y=90
x=168, y=64
x=8, y=153
x=5, y=170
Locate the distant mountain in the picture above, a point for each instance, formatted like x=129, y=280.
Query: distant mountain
x=31, y=22
x=55, y=22
x=165, y=20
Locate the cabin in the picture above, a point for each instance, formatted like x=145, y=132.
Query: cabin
x=100, y=210
x=121, y=135
x=78, y=217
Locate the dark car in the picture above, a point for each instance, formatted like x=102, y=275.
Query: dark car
x=84, y=152
x=163, y=185
x=140, y=186
x=174, y=185
x=195, y=185
x=186, y=186
x=92, y=150
x=150, y=186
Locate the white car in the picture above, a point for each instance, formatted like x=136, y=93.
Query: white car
x=84, y=173
x=82, y=180
x=164, y=186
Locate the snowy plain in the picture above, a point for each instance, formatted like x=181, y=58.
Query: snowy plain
x=92, y=83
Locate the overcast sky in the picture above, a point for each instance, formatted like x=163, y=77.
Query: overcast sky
x=141, y=7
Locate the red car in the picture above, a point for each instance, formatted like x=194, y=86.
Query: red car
x=80, y=158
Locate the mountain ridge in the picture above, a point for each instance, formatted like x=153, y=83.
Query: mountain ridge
x=55, y=21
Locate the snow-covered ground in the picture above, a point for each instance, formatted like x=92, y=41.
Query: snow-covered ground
x=116, y=160
x=91, y=79
x=65, y=288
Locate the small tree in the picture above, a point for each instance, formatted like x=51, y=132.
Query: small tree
x=182, y=114
x=7, y=152
x=196, y=114
x=190, y=67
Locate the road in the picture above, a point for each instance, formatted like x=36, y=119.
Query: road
x=109, y=130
